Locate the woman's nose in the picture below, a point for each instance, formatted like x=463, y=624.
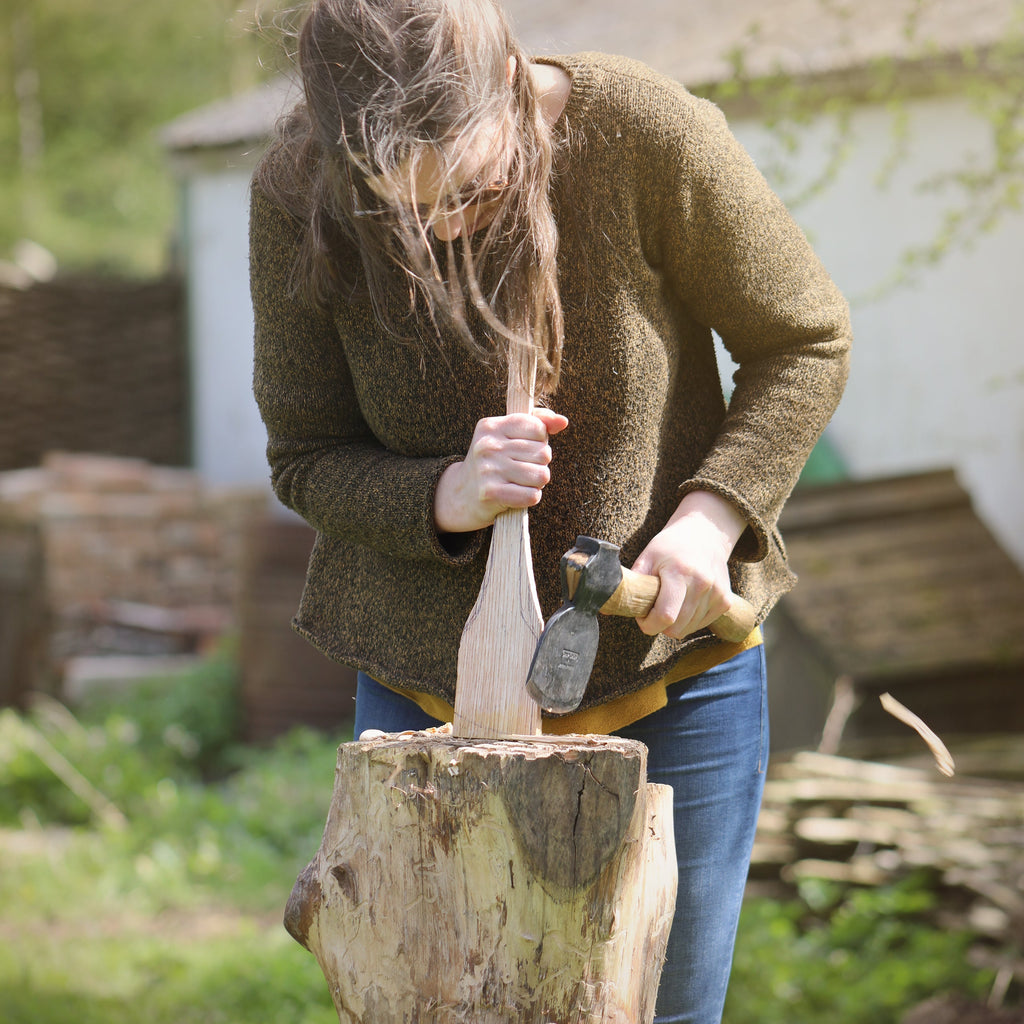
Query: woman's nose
x=449, y=228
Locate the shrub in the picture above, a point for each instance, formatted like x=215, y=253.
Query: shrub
x=857, y=956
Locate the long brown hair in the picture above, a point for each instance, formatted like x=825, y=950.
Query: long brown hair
x=384, y=81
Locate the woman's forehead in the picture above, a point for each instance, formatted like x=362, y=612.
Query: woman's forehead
x=432, y=173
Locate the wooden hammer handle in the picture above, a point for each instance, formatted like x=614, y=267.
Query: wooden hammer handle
x=636, y=594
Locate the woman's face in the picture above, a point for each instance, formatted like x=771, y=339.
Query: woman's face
x=459, y=192
x=460, y=198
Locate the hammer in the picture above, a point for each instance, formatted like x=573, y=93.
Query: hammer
x=594, y=580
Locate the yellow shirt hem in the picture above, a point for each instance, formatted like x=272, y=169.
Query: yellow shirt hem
x=617, y=713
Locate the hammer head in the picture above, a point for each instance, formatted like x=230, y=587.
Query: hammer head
x=566, y=650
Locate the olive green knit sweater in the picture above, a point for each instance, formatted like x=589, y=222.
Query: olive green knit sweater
x=675, y=234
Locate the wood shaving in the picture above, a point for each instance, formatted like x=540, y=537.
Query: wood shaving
x=943, y=758
x=368, y=735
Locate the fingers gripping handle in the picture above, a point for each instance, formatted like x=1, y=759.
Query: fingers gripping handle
x=635, y=596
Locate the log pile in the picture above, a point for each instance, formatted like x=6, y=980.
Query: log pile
x=867, y=823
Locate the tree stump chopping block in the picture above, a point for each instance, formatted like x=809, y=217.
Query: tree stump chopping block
x=491, y=882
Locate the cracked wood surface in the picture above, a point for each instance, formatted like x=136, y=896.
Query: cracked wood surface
x=500, y=882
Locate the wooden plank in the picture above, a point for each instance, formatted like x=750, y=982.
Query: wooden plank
x=957, y=542
x=846, y=831
x=772, y=850
x=898, y=564
x=921, y=796
x=812, y=766
x=878, y=635
x=910, y=595
x=23, y=613
x=856, y=501
x=865, y=823
x=285, y=681
x=859, y=872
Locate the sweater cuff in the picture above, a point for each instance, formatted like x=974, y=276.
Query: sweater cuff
x=755, y=541
x=451, y=548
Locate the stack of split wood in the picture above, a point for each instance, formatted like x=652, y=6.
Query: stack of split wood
x=868, y=823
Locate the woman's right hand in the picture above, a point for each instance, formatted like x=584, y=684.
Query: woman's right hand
x=506, y=467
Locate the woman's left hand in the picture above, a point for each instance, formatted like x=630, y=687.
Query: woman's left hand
x=690, y=556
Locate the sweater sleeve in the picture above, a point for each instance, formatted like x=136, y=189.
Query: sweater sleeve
x=325, y=462
x=736, y=259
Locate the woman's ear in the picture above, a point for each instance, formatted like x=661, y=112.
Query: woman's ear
x=510, y=69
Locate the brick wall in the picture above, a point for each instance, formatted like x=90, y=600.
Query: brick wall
x=113, y=568
x=134, y=558
x=93, y=365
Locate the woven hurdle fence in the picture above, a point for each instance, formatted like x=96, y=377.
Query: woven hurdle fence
x=94, y=365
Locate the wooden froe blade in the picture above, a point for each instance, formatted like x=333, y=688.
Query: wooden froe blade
x=502, y=630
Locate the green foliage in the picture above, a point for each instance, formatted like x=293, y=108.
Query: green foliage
x=205, y=816
x=977, y=191
x=87, y=85
x=161, y=730
x=191, y=717
x=861, y=956
x=249, y=975
x=174, y=917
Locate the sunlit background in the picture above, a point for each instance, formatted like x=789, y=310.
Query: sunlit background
x=167, y=745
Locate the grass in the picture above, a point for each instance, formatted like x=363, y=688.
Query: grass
x=169, y=910
x=176, y=915
x=241, y=972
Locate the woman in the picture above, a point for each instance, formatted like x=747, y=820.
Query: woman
x=439, y=198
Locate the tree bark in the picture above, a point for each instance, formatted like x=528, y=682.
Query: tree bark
x=492, y=882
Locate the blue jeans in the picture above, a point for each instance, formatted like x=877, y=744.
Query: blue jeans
x=710, y=744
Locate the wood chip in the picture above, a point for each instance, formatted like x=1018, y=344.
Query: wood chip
x=943, y=758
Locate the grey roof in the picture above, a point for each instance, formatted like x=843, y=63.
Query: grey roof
x=694, y=41
x=236, y=121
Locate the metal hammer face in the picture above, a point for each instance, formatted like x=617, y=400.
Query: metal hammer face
x=566, y=650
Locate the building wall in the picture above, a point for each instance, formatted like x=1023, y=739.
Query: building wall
x=228, y=436
x=938, y=368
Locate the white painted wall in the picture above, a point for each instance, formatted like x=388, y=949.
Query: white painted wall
x=938, y=366
x=228, y=438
